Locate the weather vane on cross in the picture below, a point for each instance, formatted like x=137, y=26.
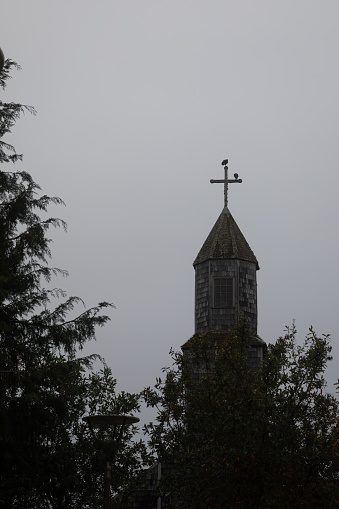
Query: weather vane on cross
x=226, y=181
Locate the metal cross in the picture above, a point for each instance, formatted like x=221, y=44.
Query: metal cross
x=226, y=181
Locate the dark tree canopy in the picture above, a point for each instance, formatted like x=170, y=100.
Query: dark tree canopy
x=241, y=437
x=48, y=456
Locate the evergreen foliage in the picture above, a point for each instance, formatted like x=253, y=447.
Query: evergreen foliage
x=241, y=437
x=48, y=457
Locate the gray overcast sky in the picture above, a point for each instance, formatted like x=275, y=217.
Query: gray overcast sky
x=138, y=103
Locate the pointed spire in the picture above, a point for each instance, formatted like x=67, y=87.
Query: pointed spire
x=225, y=241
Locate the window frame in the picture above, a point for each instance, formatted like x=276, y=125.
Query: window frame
x=229, y=302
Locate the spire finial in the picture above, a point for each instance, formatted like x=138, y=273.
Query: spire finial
x=226, y=181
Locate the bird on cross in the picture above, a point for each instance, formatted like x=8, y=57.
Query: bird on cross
x=226, y=180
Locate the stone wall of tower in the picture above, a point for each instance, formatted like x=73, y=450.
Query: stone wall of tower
x=207, y=317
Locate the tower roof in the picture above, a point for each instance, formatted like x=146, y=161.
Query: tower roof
x=225, y=241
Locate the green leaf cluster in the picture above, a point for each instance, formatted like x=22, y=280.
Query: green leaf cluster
x=243, y=437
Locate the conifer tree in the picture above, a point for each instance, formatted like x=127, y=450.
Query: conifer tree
x=48, y=457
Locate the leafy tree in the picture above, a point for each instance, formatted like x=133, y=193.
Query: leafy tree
x=241, y=437
x=48, y=457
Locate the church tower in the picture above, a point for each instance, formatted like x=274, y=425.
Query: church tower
x=225, y=274
x=226, y=282
x=225, y=293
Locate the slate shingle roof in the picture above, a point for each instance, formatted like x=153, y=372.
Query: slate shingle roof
x=225, y=241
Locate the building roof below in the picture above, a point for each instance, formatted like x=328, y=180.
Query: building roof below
x=219, y=337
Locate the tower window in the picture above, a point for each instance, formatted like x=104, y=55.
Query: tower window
x=223, y=292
